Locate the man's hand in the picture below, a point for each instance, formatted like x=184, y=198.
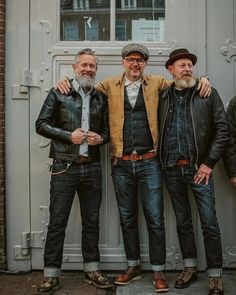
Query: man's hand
x=203, y=174
x=78, y=136
x=63, y=85
x=93, y=138
x=205, y=87
x=233, y=181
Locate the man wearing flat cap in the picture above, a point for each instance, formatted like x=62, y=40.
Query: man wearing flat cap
x=193, y=134
x=133, y=100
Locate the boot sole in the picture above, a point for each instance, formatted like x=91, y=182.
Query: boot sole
x=186, y=285
x=48, y=292
x=90, y=282
x=161, y=290
x=132, y=280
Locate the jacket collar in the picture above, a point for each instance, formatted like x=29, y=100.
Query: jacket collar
x=121, y=79
x=73, y=91
x=168, y=90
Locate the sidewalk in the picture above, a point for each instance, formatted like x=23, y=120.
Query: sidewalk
x=72, y=283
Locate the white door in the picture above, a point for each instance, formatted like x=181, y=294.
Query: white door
x=42, y=40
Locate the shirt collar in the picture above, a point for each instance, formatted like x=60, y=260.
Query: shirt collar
x=136, y=83
x=77, y=87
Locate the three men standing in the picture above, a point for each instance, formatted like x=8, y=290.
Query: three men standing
x=133, y=100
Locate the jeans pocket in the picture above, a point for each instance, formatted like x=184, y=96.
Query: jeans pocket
x=59, y=167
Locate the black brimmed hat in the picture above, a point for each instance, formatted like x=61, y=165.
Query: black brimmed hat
x=179, y=54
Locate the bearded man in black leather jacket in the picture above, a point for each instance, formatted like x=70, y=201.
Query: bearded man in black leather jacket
x=193, y=135
x=77, y=124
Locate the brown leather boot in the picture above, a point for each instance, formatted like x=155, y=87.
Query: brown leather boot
x=98, y=279
x=160, y=282
x=187, y=276
x=215, y=286
x=133, y=273
x=48, y=286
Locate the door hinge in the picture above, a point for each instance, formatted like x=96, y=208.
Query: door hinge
x=32, y=78
x=29, y=240
x=29, y=78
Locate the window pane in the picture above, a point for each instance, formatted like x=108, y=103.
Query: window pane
x=85, y=20
x=134, y=20
x=142, y=20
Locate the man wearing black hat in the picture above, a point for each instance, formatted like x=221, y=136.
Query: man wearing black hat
x=193, y=134
x=133, y=100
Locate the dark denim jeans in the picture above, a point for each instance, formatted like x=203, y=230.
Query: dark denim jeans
x=133, y=179
x=86, y=179
x=178, y=178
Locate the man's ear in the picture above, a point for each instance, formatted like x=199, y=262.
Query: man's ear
x=170, y=68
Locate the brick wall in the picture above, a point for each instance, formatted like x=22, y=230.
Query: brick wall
x=2, y=137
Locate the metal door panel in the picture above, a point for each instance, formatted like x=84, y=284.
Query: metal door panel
x=17, y=135
x=221, y=68
x=27, y=163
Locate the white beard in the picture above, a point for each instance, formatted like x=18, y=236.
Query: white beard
x=183, y=84
x=86, y=82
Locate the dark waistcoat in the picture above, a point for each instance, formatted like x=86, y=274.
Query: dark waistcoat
x=136, y=132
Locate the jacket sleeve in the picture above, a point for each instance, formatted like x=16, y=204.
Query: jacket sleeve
x=163, y=83
x=220, y=129
x=106, y=131
x=45, y=122
x=102, y=86
x=230, y=151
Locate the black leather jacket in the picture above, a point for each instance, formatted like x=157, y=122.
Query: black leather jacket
x=230, y=151
x=209, y=123
x=61, y=115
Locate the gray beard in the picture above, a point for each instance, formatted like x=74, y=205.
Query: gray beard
x=86, y=82
x=183, y=84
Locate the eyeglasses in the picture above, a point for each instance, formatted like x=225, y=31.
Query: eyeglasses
x=131, y=60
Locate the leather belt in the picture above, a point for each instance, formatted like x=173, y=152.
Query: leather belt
x=83, y=159
x=137, y=157
x=182, y=162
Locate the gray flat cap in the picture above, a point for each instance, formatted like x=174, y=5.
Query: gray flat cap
x=135, y=47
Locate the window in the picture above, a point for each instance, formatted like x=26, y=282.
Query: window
x=80, y=4
x=71, y=31
x=121, y=29
x=128, y=4
x=132, y=20
x=91, y=30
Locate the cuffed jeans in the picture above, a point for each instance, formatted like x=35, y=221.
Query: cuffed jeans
x=133, y=179
x=86, y=180
x=178, y=178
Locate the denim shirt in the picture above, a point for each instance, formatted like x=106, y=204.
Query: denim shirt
x=180, y=139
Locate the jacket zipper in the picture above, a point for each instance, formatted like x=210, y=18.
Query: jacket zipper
x=162, y=131
x=194, y=129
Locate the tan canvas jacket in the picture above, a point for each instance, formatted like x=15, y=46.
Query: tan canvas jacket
x=114, y=89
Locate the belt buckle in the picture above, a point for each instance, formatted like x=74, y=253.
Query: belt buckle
x=136, y=157
x=182, y=162
x=132, y=156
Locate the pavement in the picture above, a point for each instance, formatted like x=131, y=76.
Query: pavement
x=72, y=283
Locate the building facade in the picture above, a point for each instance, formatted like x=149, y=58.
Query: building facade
x=42, y=38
